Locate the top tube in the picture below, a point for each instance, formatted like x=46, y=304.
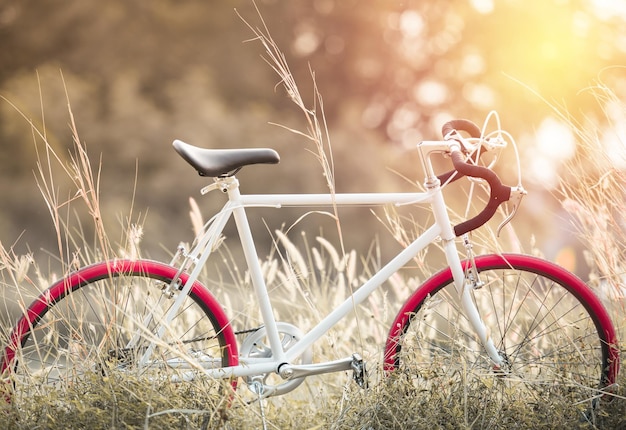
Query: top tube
x=340, y=199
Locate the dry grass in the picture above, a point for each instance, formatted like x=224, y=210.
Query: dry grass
x=318, y=275
x=594, y=189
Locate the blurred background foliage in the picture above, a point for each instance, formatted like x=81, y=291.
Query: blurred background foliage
x=140, y=74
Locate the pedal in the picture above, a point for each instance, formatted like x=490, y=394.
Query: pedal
x=359, y=370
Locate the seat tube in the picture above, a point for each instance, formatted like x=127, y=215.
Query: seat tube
x=256, y=275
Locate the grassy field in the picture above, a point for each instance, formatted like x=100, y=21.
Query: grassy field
x=467, y=400
x=121, y=400
x=450, y=401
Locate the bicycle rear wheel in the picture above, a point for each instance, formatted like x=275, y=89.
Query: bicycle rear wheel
x=102, y=319
x=554, y=334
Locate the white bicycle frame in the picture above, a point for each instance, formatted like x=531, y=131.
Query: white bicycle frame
x=280, y=361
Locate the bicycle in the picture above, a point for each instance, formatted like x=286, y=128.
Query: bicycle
x=521, y=320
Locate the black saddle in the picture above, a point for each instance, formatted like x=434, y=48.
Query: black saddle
x=223, y=162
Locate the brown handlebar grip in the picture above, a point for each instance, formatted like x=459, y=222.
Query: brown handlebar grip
x=462, y=125
x=498, y=193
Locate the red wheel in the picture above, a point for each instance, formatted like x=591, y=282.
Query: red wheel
x=553, y=332
x=95, y=320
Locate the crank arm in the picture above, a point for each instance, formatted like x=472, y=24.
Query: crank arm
x=293, y=371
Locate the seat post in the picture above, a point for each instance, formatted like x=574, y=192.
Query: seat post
x=226, y=184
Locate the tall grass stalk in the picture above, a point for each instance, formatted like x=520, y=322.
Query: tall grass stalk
x=594, y=191
x=316, y=126
x=317, y=129
x=81, y=174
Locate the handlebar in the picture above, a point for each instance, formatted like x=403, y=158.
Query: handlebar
x=460, y=124
x=499, y=193
x=447, y=131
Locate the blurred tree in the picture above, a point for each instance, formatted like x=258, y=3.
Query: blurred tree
x=402, y=62
x=142, y=73
x=411, y=62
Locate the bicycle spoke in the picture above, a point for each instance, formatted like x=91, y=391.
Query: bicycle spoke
x=549, y=340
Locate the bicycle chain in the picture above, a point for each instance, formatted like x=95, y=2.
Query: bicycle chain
x=237, y=333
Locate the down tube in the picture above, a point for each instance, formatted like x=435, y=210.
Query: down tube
x=364, y=291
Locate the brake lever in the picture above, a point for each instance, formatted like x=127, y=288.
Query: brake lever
x=517, y=193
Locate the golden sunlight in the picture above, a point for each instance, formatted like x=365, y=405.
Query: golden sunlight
x=607, y=9
x=555, y=144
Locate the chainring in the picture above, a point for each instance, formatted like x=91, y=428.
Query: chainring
x=256, y=345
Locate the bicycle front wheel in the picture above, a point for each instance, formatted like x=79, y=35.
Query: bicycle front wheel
x=103, y=319
x=553, y=334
